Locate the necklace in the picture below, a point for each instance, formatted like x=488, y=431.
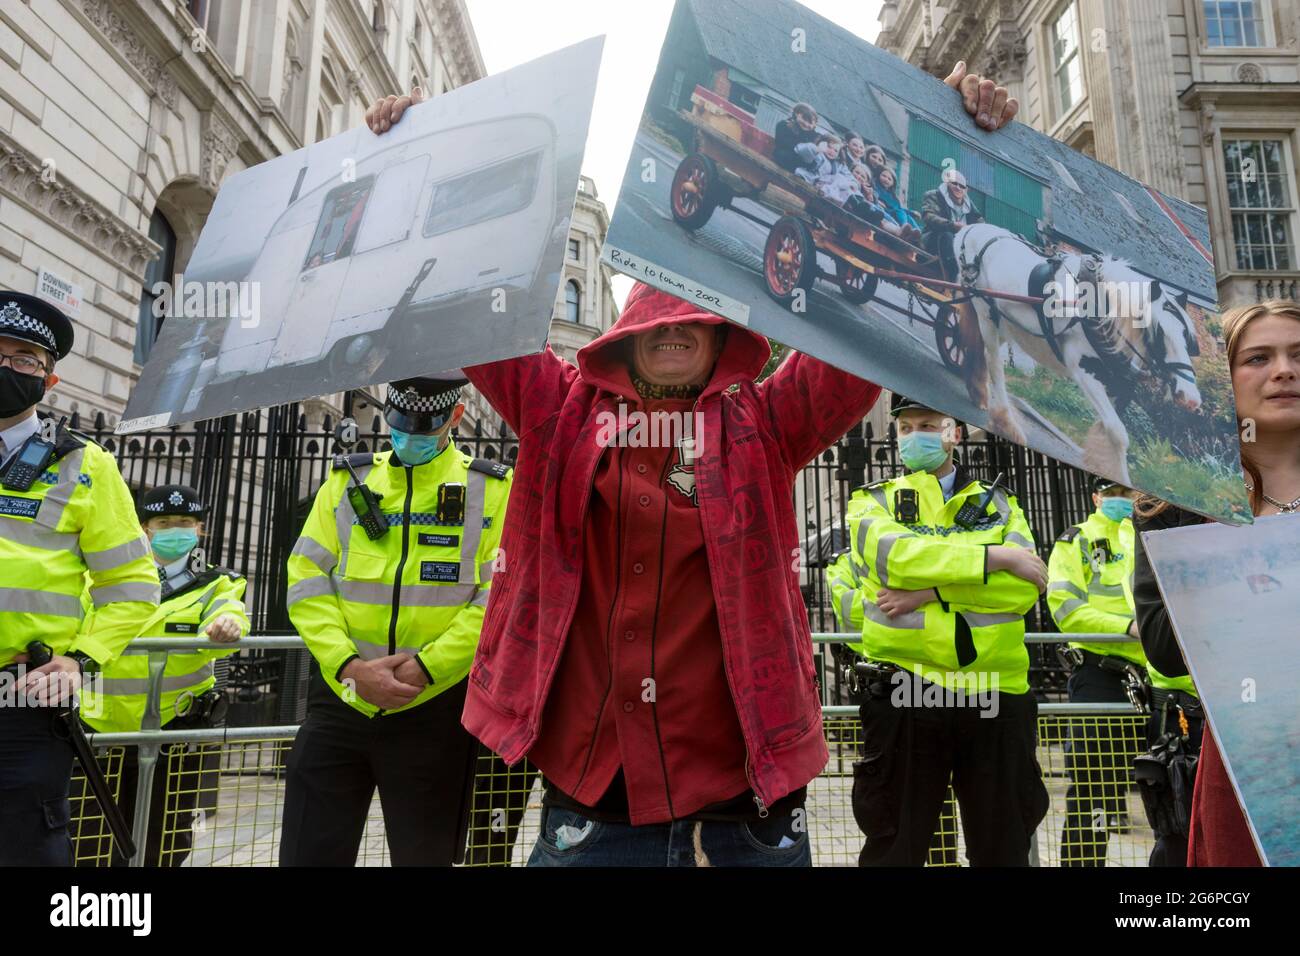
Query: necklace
x=1285, y=507
x=647, y=390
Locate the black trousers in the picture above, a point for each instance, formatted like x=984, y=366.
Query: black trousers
x=911, y=751
x=185, y=781
x=1171, y=848
x=500, y=801
x=1099, y=761
x=943, y=845
x=421, y=760
x=35, y=769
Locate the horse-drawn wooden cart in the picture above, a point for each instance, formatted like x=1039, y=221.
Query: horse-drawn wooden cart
x=733, y=159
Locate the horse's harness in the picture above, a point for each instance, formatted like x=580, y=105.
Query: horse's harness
x=1089, y=274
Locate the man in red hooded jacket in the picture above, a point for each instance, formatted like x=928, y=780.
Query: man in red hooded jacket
x=646, y=645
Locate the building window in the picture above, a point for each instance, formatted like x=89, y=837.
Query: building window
x=1234, y=23
x=1067, y=67
x=1261, y=200
x=572, y=302
x=377, y=17
x=679, y=83
x=575, y=250
x=160, y=269
x=744, y=97
x=199, y=11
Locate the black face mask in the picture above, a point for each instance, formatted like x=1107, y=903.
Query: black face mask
x=19, y=392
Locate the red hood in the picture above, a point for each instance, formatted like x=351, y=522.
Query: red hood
x=603, y=362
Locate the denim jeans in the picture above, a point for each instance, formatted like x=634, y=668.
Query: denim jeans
x=570, y=839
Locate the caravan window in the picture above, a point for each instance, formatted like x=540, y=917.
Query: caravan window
x=484, y=194
x=391, y=207
x=340, y=220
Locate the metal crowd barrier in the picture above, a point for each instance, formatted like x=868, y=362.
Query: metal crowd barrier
x=223, y=787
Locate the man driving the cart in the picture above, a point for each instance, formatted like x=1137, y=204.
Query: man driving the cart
x=944, y=211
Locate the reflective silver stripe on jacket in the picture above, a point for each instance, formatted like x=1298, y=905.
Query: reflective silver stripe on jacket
x=371, y=650
x=480, y=598
x=308, y=588
x=31, y=535
x=127, y=591
x=315, y=552
x=846, y=608
x=26, y=601
x=410, y=595
x=982, y=619
x=110, y=558
x=344, y=516
x=57, y=498
x=912, y=621
x=1067, y=608
x=1015, y=537
x=883, y=547
x=475, y=495
x=134, y=686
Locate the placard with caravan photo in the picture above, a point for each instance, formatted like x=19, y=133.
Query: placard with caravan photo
x=792, y=177
x=363, y=259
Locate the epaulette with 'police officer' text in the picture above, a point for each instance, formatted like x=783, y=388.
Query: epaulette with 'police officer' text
x=496, y=469
x=356, y=460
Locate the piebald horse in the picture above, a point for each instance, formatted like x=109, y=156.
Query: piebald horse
x=1125, y=325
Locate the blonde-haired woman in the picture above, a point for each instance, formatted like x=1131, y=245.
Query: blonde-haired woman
x=1263, y=342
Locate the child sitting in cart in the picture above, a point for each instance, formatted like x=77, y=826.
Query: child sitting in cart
x=863, y=203
x=820, y=165
x=800, y=127
x=887, y=194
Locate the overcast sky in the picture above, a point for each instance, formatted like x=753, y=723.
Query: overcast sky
x=511, y=32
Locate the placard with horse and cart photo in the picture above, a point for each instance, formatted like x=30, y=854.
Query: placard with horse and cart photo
x=792, y=177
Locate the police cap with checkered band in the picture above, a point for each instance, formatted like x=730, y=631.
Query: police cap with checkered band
x=29, y=319
x=421, y=405
x=171, y=500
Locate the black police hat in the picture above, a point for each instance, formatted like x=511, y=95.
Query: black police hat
x=171, y=500
x=421, y=405
x=34, y=320
x=1100, y=484
x=901, y=403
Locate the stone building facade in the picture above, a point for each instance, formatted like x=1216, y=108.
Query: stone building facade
x=120, y=120
x=1199, y=98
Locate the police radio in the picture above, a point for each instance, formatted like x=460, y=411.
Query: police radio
x=32, y=458
x=969, y=515
x=365, y=502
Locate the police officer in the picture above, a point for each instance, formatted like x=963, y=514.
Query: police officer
x=1166, y=773
x=199, y=601
x=844, y=587
x=949, y=571
x=65, y=513
x=1085, y=593
x=387, y=586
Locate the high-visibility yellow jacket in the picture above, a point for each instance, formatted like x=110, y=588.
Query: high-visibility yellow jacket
x=1085, y=590
x=976, y=630
x=1158, y=679
x=843, y=584
x=421, y=589
x=75, y=526
x=115, y=701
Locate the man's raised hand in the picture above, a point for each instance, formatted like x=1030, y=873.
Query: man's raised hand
x=387, y=110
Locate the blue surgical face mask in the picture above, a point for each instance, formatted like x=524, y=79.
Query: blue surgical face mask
x=172, y=543
x=416, y=449
x=1116, y=509
x=922, y=451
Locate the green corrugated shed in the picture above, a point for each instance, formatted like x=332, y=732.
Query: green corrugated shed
x=1019, y=198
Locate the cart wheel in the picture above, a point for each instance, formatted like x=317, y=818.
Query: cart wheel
x=695, y=192
x=856, y=285
x=947, y=335
x=789, y=260
x=350, y=353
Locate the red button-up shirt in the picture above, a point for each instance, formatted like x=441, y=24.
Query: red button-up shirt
x=641, y=683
